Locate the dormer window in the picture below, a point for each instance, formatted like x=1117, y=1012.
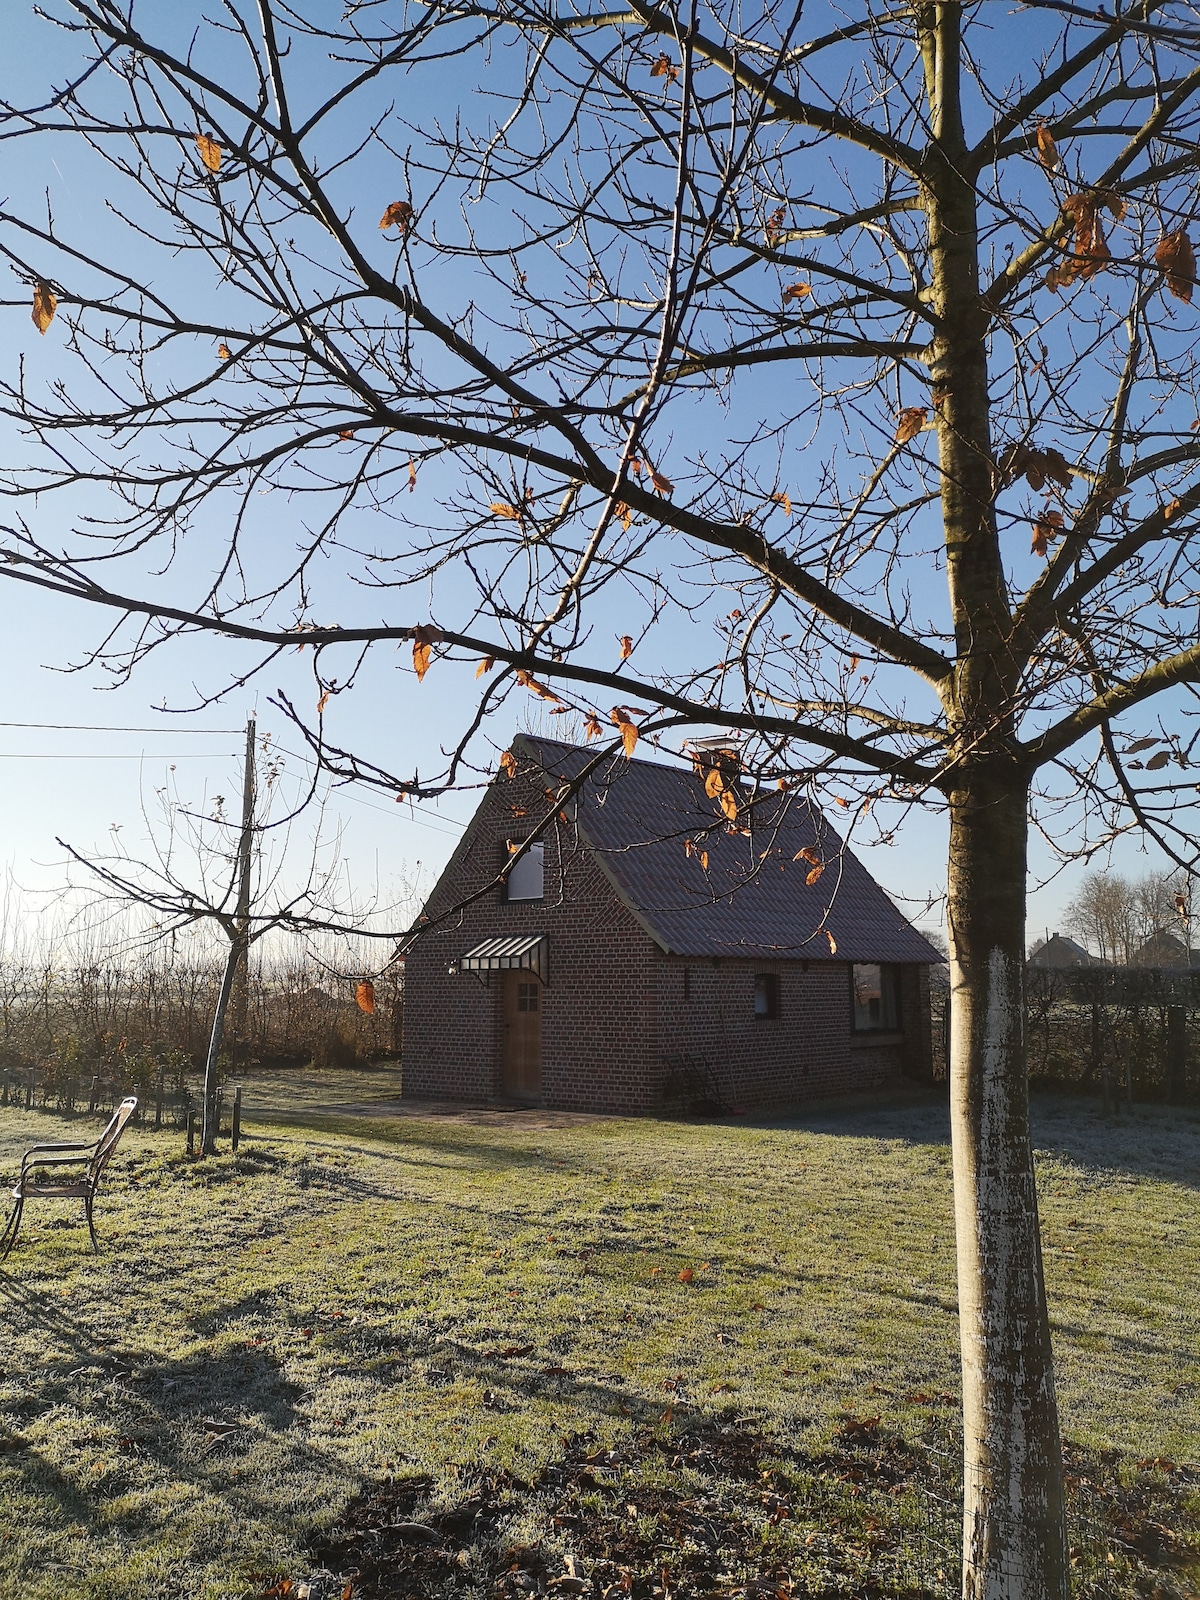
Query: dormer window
x=526, y=878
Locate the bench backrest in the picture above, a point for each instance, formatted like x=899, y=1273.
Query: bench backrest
x=107, y=1141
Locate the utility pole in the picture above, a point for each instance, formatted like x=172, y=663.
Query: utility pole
x=239, y=941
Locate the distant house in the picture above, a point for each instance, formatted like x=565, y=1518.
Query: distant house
x=1060, y=952
x=1162, y=949
x=646, y=947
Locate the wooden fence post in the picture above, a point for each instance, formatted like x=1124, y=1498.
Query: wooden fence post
x=236, y=1128
x=29, y=1095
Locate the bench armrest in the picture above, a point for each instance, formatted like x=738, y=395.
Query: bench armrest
x=48, y=1149
x=33, y=1159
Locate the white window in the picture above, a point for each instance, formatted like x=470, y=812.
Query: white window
x=526, y=878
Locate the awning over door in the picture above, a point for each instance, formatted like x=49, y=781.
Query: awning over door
x=524, y=952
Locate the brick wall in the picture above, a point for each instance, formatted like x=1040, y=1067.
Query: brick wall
x=598, y=1010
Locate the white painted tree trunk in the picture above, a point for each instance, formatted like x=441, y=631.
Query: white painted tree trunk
x=1014, y=1546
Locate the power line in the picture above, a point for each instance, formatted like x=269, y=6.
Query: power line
x=99, y=755
x=107, y=727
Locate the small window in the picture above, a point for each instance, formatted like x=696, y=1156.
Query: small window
x=527, y=997
x=766, y=995
x=874, y=998
x=526, y=878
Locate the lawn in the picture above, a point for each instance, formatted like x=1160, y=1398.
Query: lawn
x=604, y=1355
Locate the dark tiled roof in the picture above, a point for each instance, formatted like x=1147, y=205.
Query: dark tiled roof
x=637, y=816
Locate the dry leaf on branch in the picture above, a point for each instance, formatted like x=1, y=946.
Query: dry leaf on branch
x=508, y=764
x=412, y=477
x=628, y=728
x=714, y=784
x=626, y=646
x=784, y=499
x=729, y=804
x=832, y=941
x=1158, y=761
x=662, y=483
x=528, y=681
x=797, y=291
x=704, y=860
x=814, y=875
x=423, y=637
x=910, y=422
x=485, y=665
x=1181, y=904
x=364, y=997
x=1047, y=149
x=592, y=726
x=398, y=215
x=210, y=151
x=501, y=508
x=1175, y=257
x=1172, y=510
x=664, y=68
x=225, y=353
x=346, y=434
x=808, y=855
x=1142, y=744
x=623, y=515
x=45, y=303
x=1046, y=529
x=1091, y=252
x=323, y=701
x=774, y=225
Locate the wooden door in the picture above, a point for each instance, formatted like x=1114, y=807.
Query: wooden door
x=522, y=1035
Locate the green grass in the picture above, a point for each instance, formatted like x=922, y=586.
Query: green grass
x=263, y=1335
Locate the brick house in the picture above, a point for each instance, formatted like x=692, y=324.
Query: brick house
x=604, y=940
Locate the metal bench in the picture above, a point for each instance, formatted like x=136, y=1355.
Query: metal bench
x=54, y=1185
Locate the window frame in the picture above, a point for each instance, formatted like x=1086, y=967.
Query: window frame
x=537, y=851
x=889, y=998
x=767, y=984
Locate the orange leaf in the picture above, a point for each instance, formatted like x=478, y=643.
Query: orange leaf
x=797, y=291
x=225, y=353
x=398, y=215
x=364, y=997
x=910, y=422
x=729, y=805
x=689, y=847
x=626, y=646
x=346, y=434
x=814, y=875
x=629, y=733
x=704, y=860
x=782, y=498
x=45, y=303
x=1176, y=258
x=501, y=508
x=664, y=68
x=528, y=681
x=687, y=1275
x=774, y=225
x=623, y=514
x=714, y=783
x=423, y=637
x=1047, y=149
x=485, y=665
x=412, y=477
x=592, y=726
x=323, y=701
x=832, y=942
x=508, y=764
x=662, y=484
x=1172, y=510
x=210, y=151
x=808, y=855
x=635, y=466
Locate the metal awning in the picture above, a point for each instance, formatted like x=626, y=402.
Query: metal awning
x=524, y=952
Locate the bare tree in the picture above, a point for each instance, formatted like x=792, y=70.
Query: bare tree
x=734, y=361
x=1115, y=916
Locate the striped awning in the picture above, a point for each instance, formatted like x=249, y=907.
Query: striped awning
x=528, y=952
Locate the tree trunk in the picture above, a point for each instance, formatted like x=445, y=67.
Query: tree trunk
x=1014, y=1546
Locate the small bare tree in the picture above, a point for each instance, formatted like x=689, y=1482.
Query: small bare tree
x=824, y=374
